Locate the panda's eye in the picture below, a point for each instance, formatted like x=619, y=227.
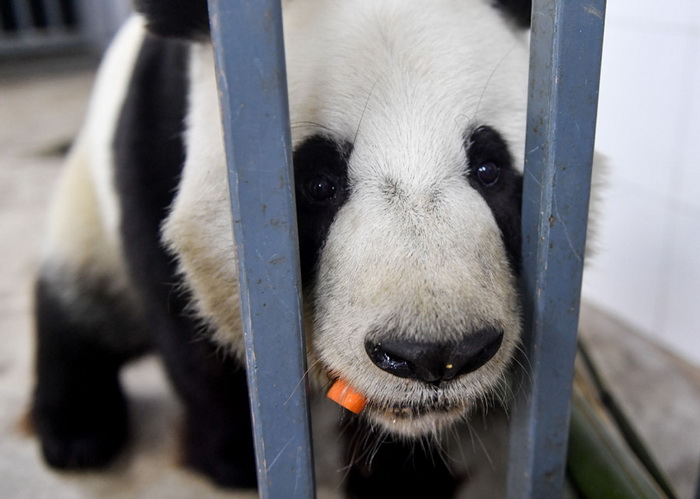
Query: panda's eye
x=488, y=173
x=320, y=189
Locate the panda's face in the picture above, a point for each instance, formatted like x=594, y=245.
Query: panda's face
x=408, y=121
x=407, y=126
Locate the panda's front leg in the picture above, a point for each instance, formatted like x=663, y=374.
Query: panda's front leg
x=218, y=436
x=382, y=466
x=78, y=409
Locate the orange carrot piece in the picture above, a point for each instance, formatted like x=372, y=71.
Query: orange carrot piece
x=342, y=393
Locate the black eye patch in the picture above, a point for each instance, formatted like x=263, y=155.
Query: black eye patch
x=321, y=185
x=491, y=173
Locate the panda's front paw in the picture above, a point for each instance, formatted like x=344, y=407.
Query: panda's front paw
x=81, y=436
x=224, y=456
x=82, y=450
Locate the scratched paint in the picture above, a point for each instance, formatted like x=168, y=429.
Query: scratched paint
x=255, y=111
x=565, y=55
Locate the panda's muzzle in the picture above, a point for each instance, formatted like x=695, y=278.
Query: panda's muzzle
x=434, y=362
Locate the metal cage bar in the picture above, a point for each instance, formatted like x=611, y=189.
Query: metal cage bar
x=249, y=50
x=565, y=54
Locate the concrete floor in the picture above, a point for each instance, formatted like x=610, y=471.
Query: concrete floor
x=41, y=107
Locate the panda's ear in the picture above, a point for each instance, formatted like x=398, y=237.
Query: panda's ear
x=176, y=18
x=518, y=10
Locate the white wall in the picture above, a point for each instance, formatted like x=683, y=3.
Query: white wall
x=647, y=270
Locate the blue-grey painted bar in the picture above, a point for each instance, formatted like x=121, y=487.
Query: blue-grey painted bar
x=253, y=94
x=565, y=56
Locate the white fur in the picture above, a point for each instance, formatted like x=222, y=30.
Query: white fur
x=415, y=248
x=83, y=229
x=199, y=228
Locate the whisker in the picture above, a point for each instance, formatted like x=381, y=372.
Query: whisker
x=364, y=109
x=483, y=91
x=482, y=446
x=303, y=377
x=458, y=443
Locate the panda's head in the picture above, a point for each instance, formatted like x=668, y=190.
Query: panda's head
x=408, y=131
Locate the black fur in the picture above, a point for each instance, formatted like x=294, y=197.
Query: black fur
x=504, y=197
x=149, y=155
x=318, y=160
x=79, y=410
x=176, y=18
x=383, y=466
x=149, y=158
x=519, y=10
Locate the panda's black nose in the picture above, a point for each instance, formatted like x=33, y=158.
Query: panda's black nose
x=434, y=362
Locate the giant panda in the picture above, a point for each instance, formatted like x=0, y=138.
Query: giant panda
x=407, y=122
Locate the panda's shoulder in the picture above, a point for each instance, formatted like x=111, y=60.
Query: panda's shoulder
x=148, y=143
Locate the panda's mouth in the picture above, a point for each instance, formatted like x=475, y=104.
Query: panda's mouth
x=416, y=420
x=412, y=409
x=408, y=411
x=417, y=416
x=435, y=404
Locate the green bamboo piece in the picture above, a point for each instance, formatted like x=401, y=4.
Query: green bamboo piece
x=606, y=458
x=623, y=423
x=598, y=465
